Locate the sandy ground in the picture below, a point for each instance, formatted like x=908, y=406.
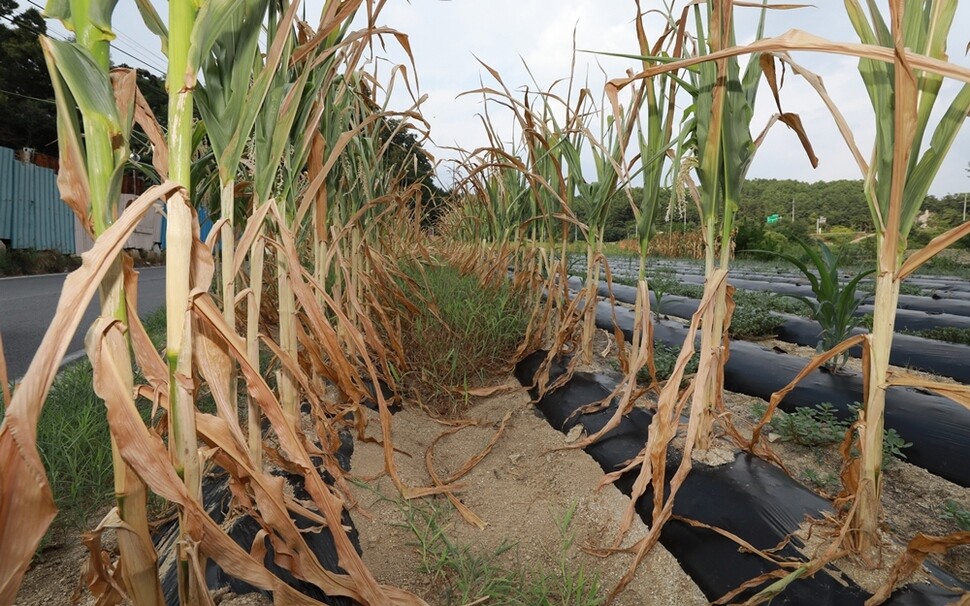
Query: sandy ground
x=520, y=490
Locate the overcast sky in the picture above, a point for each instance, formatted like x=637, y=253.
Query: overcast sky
x=446, y=36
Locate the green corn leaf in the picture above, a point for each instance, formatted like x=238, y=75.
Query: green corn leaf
x=60, y=10
x=214, y=18
x=152, y=21
x=72, y=178
x=226, y=102
x=88, y=83
x=99, y=13
x=921, y=177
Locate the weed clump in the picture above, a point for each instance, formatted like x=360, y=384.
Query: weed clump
x=466, y=574
x=459, y=334
x=664, y=359
x=947, y=334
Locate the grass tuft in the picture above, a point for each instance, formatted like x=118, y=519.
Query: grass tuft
x=466, y=574
x=75, y=443
x=464, y=335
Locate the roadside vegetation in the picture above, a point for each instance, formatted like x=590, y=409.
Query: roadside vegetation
x=29, y=262
x=73, y=440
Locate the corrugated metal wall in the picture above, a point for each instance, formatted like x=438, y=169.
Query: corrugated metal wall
x=32, y=214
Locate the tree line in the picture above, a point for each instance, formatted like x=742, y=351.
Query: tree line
x=842, y=204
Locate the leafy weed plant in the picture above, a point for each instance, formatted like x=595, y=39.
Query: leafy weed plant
x=811, y=426
x=823, y=480
x=665, y=358
x=820, y=426
x=753, y=322
x=953, y=511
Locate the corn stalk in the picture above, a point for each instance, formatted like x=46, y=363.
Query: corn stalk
x=654, y=142
x=81, y=75
x=228, y=104
x=718, y=132
x=896, y=183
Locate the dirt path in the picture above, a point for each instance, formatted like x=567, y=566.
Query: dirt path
x=521, y=490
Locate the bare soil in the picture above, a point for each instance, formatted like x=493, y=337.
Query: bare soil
x=521, y=489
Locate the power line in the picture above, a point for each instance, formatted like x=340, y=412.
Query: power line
x=152, y=55
x=8, y=92
x=159, y=71
x=13, y=21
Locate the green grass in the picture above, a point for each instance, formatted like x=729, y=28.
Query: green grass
x=74, y=443
x=470, y=340
x=463, y=573
x=948, y=334
x=74, y=440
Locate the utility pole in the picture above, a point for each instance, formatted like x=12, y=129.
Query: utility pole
x=964, y=207
x=793, y=210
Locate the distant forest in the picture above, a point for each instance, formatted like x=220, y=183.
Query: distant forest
x=842, y=203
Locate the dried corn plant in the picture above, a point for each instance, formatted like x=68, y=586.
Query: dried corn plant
x=902, y=62
x=98, y=146
x=203, y=346
x=903, y=59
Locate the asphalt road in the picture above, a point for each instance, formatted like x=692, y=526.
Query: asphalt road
x=27, y=306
